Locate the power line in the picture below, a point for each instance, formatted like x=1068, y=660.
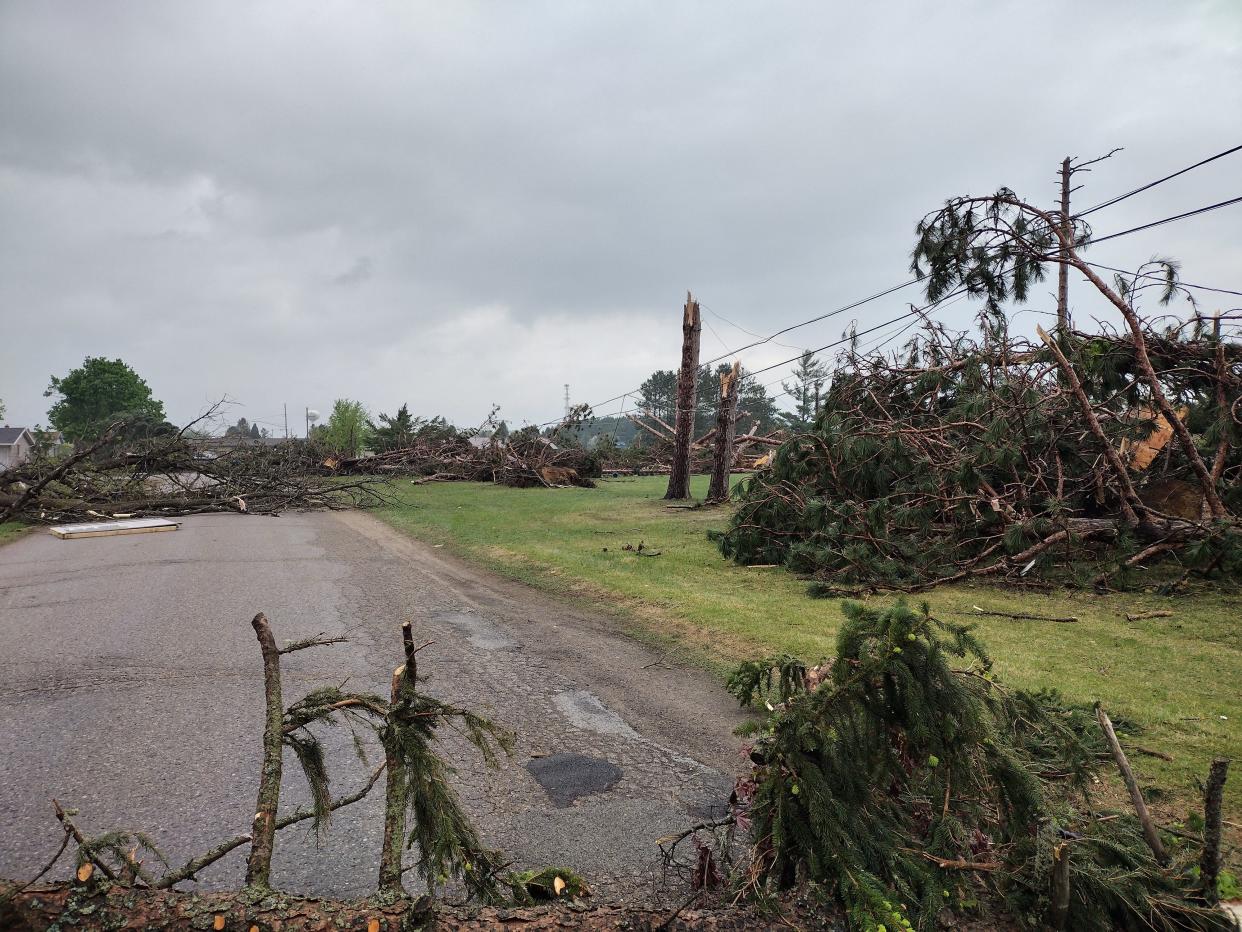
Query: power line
x=815, y=320
x=1156, y=223
x=1121, y=197
x=1180, y=283
x=914, y=281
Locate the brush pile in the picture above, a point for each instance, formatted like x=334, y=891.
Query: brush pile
x=524, y=460
x=907, y=785
x=1003, y=458
x=171, y=476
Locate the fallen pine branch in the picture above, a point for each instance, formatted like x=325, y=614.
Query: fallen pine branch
x=1019, y=616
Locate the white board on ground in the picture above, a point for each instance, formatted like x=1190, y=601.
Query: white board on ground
x=111, y=528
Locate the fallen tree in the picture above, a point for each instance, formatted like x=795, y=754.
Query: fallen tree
x=171, y=475
x=1080, y=455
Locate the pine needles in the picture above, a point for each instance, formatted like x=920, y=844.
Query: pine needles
x=957, y=458
x=909, y=783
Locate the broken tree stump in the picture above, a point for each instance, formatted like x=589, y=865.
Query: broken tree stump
x=263, y=831
x=726, y=424
x=687, y=391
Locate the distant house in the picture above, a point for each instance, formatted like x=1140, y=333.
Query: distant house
x=16, y=443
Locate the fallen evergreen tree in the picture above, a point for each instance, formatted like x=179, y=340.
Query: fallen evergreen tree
x=908, y=785
x=1082, y=455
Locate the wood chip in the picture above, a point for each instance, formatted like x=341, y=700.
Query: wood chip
x=84, y=871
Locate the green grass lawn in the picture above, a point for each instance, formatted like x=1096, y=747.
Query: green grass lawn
x=11, y=530
x=1181, y=677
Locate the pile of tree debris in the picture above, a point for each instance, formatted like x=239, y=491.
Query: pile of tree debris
x=168, y=475
x=749, y=447
x=913, y=790
x=1083, y=456
x=524, y=459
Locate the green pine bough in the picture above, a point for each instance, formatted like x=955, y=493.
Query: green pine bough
x=908, y=785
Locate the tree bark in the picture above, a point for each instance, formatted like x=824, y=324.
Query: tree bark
x=1058, y=911
x=1067, y=233
x=687, y=396
x=396, y=786
x=726, y=424
x=263, y=831
x=1136, y=795
x=1209, y=860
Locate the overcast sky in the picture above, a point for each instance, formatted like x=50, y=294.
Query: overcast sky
x=457, y=204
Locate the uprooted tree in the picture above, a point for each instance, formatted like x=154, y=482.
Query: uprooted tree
x=1083, y=454
x=421, y=811
x=914, y=789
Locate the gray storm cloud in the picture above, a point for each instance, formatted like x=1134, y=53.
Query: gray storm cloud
x=464, y=204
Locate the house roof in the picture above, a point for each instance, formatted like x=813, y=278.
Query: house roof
x=10, y=435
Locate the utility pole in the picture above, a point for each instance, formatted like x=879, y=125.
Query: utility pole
x=567, y=400
x=1067, y=232
x=308, y=423
x=687, y=391
x=286, y=420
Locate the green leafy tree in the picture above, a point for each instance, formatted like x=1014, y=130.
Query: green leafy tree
x=254, y=432
x=240, y=429
x=348, y=427
x=808, y=373
x=95, y=395
x=1, y=409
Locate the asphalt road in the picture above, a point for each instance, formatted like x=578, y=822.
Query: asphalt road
x=132, y=691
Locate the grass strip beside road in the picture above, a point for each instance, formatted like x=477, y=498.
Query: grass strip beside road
x=11, y=530
x=1179, y=676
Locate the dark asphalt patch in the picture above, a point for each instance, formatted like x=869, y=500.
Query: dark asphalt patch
x=566, y=777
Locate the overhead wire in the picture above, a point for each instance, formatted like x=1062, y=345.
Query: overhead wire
x=1151, y=184
x=914, y=281
x=1156, y=223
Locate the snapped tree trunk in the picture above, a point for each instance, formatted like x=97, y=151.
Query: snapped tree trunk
x=687, y=392
x=726, y=424
x=263, y=831
x=1209, y=860
x=396, y=787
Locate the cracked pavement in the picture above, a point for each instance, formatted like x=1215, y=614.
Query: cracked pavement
x=133, y=692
